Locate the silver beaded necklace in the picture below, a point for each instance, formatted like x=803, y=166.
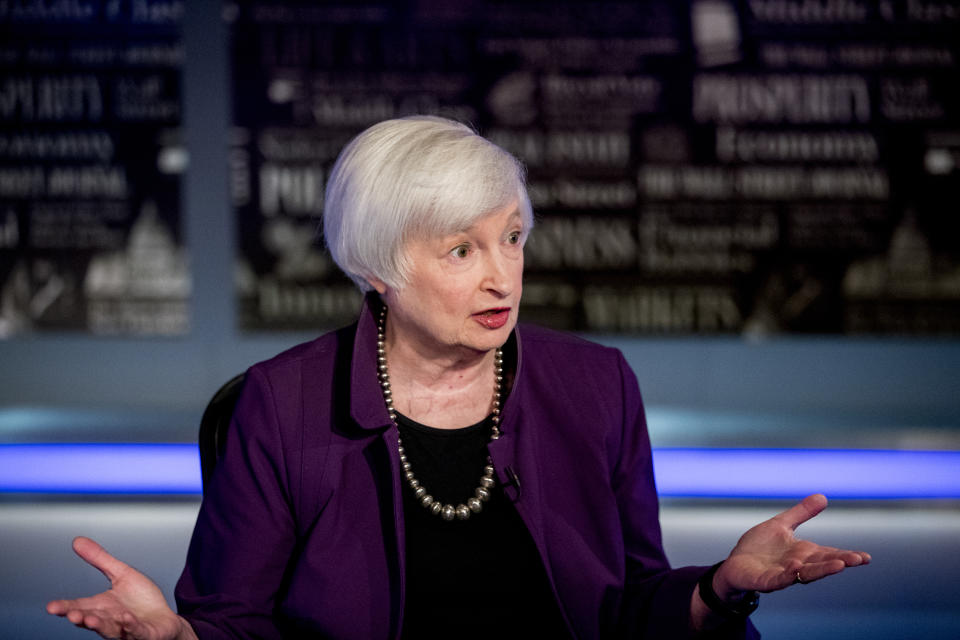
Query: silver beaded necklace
x=481, y=494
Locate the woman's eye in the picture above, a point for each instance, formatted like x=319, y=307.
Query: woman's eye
x=514, y=238
x=462, y=251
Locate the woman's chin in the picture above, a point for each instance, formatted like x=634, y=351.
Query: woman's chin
x=488, y=339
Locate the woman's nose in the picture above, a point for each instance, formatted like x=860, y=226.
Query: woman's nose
x=498, y=275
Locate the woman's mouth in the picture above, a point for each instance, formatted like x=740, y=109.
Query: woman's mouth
x=493, y=318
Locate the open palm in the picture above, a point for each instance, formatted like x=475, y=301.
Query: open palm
x=132, y=608
x=770, y=557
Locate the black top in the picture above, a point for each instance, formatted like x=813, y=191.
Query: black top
x=475, y=578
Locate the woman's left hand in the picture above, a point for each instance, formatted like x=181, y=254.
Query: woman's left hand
x=770, y=557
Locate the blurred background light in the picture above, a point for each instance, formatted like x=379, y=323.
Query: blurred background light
x=860, y=474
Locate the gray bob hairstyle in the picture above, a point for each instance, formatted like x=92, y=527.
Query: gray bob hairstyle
x=413, y=177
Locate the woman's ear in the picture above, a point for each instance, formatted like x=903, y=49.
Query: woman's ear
x=379, y=285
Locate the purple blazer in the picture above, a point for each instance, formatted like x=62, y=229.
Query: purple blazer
x=301, y=531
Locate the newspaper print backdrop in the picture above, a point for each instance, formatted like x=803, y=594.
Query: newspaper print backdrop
x=707, y=166
x=90, y=165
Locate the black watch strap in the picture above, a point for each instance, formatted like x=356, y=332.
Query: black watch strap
x=735, y=611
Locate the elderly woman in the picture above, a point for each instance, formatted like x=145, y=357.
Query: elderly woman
x=436, y=469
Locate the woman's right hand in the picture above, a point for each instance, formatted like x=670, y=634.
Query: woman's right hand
x=133, y=607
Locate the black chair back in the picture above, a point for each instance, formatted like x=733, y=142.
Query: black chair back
x=214, y=425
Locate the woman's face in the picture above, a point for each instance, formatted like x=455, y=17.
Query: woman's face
x=463, y=290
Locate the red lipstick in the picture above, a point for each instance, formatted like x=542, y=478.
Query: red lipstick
x=493, y=318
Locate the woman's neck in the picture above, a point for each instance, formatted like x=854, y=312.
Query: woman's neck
x=445, y=392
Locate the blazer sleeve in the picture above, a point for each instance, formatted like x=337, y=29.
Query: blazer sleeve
x=245, y=533
x=656, y=598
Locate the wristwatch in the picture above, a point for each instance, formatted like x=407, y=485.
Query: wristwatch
x=731, y=611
